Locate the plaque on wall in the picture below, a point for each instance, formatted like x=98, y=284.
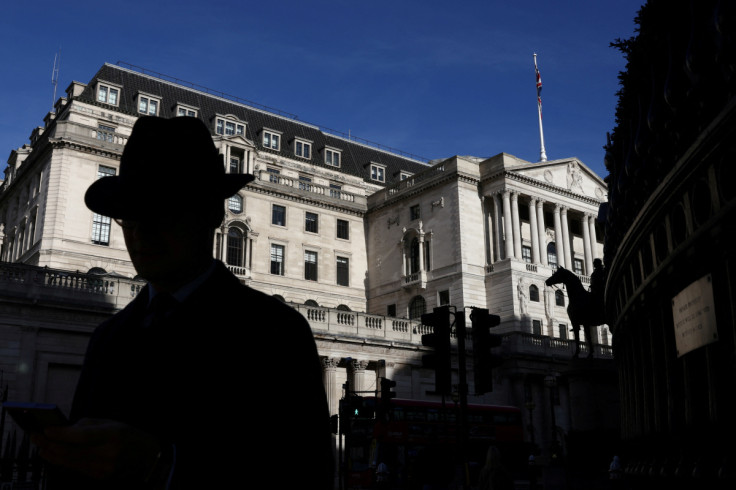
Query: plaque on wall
x=694, y=316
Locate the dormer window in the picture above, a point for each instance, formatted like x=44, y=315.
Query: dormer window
x=378, y=172
x=148, y=105
x=271, y=139
x=107, y=94
x=404, y=175
x=227, y=127
x=303, y=148
x=185, y=111
x=332, y=157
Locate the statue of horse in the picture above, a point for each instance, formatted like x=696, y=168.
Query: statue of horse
x=584, y=309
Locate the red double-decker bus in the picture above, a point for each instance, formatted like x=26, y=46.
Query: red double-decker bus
x=421, y=440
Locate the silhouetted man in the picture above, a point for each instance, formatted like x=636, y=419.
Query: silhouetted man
x=200, y=382
x=597, y=287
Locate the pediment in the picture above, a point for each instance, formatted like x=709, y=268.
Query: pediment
x=569, y=174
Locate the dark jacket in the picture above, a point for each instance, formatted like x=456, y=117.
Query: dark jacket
x=231, y=378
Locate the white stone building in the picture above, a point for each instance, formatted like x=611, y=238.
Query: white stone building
x=361, y=240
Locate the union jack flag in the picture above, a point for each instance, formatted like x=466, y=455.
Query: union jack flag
x=539, y=85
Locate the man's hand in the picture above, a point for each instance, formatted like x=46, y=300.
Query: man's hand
x=100, y=449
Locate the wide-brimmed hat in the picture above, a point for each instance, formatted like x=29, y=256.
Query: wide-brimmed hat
x=167, y=165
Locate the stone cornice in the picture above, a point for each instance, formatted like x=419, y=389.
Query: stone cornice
x=302, y=200
x=546, y=186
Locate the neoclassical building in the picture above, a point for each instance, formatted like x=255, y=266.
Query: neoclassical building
x=362, y=240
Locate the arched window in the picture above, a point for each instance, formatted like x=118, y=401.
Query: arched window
x=311, y=302
x=343, y=308
x=552, y=255
x=97, y=270
x=417, y=307
x=559, y=298
x=533, y=293
x=235, y=247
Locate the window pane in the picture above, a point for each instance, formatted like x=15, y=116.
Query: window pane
x=152, y=107
x=278, y=215
x=235, y=247
x=102, y=94
x=277, y=259
x=310, y=266
x=113, y=96
x=307, y=150
x=229, y=128
x=343, y=229
x=235, y=204
x=100, y=229
x=343, y=273
x=311, y=223
x=143, y=105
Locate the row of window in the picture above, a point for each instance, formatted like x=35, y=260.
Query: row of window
x=271, y=139
x=342, y=265
x=311, y=222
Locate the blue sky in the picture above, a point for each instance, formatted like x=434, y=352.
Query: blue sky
x=431, y=78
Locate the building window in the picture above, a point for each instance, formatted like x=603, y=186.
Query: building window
x=559, y=298
x=310, y=265
x=335, y=191
x=147, y=105
x=278, y=215
x=343, y=271
x=414, y=256
x=185, y=111
x=526, y=254
x=303, y=149
x=552, y=255
x=271, y=140
x=100, y=229
x=414, y=212
x=107, y=94
x=391, y=310
x=105, y=133
x=277, y=259
x=537, y=327
x=444, y=297
x=404, y=175
x=311, y=222
x=273, y=175
x=235, y=204
x=305, y=183
x=229, y=128
x=417, y=307
x=235, y=247
x=332, y=157
x=101, y=224
x=563, y=331
x=533, y=293
x=378, y=172
x=343, y=229
x=235, y=167
x=577, y=266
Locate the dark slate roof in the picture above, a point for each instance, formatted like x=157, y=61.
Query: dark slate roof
x=355, y=157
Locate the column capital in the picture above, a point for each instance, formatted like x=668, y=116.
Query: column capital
x=330, y=362
x=358, y=364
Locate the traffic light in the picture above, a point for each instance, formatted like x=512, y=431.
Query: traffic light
x=439, y=360
x=483, y=341
x=386, y=393
x=384, y=404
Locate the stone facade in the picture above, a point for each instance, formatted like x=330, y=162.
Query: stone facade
x=361, y=240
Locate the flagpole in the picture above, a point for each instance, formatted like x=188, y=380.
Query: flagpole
x=542, y=153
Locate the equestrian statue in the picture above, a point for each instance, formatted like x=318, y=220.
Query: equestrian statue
x=585, y=308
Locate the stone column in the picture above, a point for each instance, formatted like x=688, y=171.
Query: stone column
x=587, y=245
x=359, y=383
x=566, y=238
x=404, y=259
x=329, y=378
x=542, y=232
x=515, y=224
x=593, y=238
x=559, y=242
x=507, y=225
x=485, y=205
x=421, y=248
x=498, y=227
x=534, y=230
